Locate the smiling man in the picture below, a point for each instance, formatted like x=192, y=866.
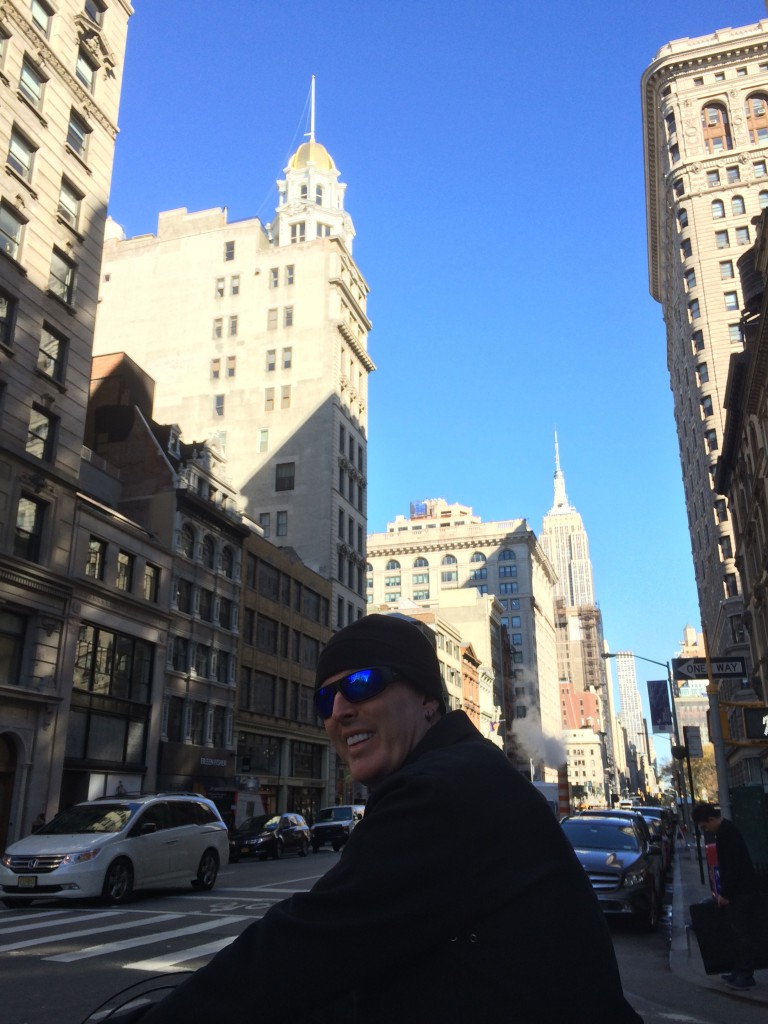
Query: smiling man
x=457, y=899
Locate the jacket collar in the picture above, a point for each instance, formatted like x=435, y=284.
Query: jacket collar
x=449, y=729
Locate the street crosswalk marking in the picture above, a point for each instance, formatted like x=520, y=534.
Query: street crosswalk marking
x=72, y=920
x=142, y=940
x=49, y=938
x=169, y=963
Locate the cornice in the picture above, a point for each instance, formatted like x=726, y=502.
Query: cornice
x=45, y=56
x=355, y=345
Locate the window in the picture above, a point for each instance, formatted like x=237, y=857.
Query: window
x=50, y=356
x=30, y=517
x=187, y=541
x=41, y=15
x=706, y=406
x=271, y=319
x=285, y=476
x=732, y=174
x=208, y=551
x=734, y=333
x=694, y=310
x=31, y=84
x=62, y=278
x=7, y=319
x=674, y=153
x=737, y=206
x=718, y=209
x=282, y=524
x=716, y=128
x=319, y=195
x=697, y=339
x=271, y=356
x=263, y=441
x=508, y=588
x=264, y=522
x=269, y=399
x=41, y=434
x=229, y=251
x=323, y=230
x=233, y=326
x=219, y=288
x=151, y=583
x=757, y=118
x=218, y=405
x=742, y=236
x=690, y=279
x=289, y=274
x=702, y=373
x=448, y=560
x=287, y=358
x=95, y=10
x=760, y=168
x=285, y=397
x=763, y=199
x=685, y=249
x=21, y=155
x=679, y=187
x=215, y=369
x=77, y=135
x=721, y=510
x=85, y=70
x=288, y=316
x=298, y=232
x=218, y=327
x=721, y=240
x=449, y=576
x=231, y=365
x=234, y=284
x=506, y=571
x=713, y=178
x=206, y=605
x=710, y=438
x=124, y=578
x=731, y=300
x=97, y=554
x=726, y=270
x=392, y=564
x=11, y=227
x=12, y=630
x=69, y=204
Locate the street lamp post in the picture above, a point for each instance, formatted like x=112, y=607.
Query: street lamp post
x=678, y=751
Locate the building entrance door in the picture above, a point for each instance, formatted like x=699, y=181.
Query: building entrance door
x=7, y=777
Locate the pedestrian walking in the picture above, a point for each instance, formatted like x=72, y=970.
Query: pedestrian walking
x=738, y=891
x=457, y=897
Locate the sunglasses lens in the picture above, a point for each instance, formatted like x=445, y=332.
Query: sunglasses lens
x=324, y=698
x=356, y=687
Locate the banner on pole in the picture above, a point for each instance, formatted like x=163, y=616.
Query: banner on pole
x=658, y=699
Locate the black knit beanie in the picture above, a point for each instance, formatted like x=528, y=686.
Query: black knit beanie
x=385, y=640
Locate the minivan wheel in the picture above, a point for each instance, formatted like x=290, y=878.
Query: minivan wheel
x=207, y=871
x=22, y=902
x=118, y=882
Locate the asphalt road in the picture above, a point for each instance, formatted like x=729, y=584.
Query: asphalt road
x=59, y=961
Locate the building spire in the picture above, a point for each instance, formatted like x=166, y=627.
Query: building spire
x=561, y=498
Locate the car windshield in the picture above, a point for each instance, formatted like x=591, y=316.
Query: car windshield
x=272, y=824
x=335, y=814
x=250, y=824
x=600, y=835
x=85, y=818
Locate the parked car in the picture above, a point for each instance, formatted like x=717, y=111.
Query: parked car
x=661, y=832
x=335, y=824
x=283, y=833
x=621, y=863
x=111, y=847
x=249, y=828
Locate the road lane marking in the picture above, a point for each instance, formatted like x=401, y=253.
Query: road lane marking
x=46, y=924
x=142, y=940
x=49, y=940
x=169, y=963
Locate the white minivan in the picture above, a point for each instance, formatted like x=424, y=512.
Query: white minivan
x=110, y=847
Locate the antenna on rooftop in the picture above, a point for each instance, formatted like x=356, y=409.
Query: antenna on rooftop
x=312, y=111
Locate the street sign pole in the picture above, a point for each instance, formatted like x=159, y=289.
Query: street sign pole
x=716, y=736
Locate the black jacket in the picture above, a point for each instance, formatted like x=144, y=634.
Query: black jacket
x=456, y=900
x=737, y=872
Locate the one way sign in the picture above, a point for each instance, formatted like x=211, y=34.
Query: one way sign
x=696, y=668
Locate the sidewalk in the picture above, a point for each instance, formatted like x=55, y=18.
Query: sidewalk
x=684, y=956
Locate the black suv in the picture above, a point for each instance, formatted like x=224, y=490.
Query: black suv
x=334, y=824
x=283, y=833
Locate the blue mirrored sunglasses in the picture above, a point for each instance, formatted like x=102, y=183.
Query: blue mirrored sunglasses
x=356, y=687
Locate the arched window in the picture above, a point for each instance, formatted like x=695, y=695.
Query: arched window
x=682, y=219
x=303, y=192
x=718, y=209
x=505, y=555
x=420, y=563
x=368, y=567
x=763, y=197
x=227, y=562
x=737, y=206
x=449, y=560
x=478, y=557
x=716, y=128
x=187, y=541
x=208, y=551
x=319, y=193
x=393, y=564
x=756, y=109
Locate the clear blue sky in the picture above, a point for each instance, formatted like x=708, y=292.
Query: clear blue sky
x=494, y=162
